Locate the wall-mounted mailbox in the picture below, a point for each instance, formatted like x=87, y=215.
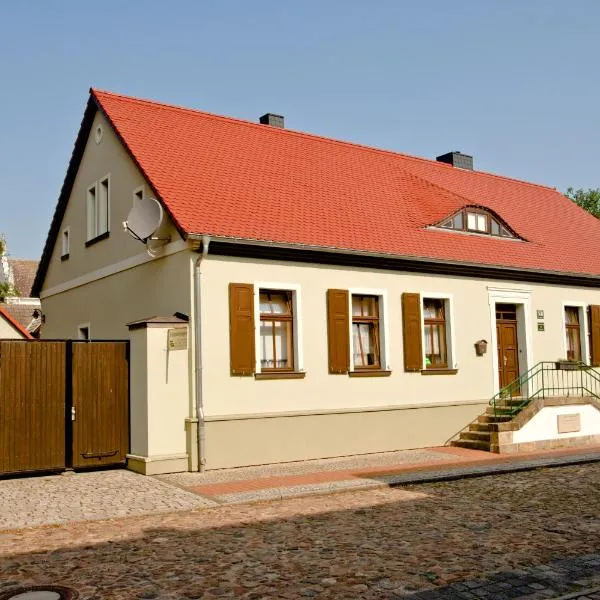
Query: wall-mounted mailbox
x=481, y=347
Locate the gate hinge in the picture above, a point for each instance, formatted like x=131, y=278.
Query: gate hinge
x=72, y=413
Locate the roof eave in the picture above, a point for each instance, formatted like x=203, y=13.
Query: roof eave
x=397, y=261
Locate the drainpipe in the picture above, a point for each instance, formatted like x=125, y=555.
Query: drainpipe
x=198, y=350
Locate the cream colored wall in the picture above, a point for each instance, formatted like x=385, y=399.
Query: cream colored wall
x=160, y=287
x=7, y=331
x=106, y=158
x=167, y=372
x=474, y=382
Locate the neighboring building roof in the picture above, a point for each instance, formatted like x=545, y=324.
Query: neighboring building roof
x=24, y=274
x=21, y=313
x=233, y=179
x=5, y=314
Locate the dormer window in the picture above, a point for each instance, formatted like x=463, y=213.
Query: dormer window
x=477, y=220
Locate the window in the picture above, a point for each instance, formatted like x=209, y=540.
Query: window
x=428, y=333
x=477, y=220
x=573, y=330
x=98, y=209
x=434, y=329
x=276, y=330
x=91, y=212
x=365, y=332
x=83, y=332
x=66, y=243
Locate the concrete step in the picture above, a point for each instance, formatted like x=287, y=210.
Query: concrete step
x=478, y=436
x=486, y=418
x=471, y=444
x=482, y=426
x=499, y=411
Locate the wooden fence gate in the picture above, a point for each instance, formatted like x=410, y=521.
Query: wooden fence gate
x=63, y=404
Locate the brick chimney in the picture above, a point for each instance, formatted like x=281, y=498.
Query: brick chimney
x=457, y=159
x=272, y=119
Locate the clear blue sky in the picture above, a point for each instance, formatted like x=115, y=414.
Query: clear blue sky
x=514, y=82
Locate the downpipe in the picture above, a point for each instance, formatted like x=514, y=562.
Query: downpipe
x=199, y=400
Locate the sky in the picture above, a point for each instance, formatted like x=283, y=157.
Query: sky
x=515, y=83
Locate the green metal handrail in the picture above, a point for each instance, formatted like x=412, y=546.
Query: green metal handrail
x=546, y=379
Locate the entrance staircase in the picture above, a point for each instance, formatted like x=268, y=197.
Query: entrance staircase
x=544, y=380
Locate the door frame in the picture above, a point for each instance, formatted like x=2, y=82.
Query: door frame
x=522, y=299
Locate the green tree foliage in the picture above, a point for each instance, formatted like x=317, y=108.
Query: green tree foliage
x=588, y=200
x=6, y=289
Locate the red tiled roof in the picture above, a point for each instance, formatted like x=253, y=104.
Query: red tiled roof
x=234, y=179
x=24, y=273
x=8, y=317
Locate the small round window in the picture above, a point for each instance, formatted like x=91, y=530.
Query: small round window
x=98, y=134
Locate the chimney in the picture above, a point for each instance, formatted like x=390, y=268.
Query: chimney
x=457, y=159
x=272, y=119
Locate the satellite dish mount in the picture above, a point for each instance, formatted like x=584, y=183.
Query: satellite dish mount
x=144, y=220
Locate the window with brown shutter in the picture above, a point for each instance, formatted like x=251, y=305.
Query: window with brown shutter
x=276, y=330
x=594, y=320
x=241, y=328
x=434, y=327
x=338, y=327
x=365, y=332
x=573, y=332
x=411, y=331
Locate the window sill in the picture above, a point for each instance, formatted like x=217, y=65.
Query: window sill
x=97, y=239
x=64, y=257
x=439, y=371
x=282, y=375
x=373, y=373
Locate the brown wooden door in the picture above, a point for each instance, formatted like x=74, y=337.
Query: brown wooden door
x=32, y=406
x=508, y=350
x=100, y=379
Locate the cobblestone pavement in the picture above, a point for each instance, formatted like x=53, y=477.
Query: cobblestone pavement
x=385, y=543
x=34, y=501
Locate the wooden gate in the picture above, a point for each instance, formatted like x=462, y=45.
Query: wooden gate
x=63, y=404
x=32, y=406
x=100, y=408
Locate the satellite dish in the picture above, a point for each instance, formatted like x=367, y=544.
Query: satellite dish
x=144, y=219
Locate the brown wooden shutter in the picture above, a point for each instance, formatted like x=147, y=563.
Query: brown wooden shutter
x=595, y=335
x=338, y=331
x=411, y=331
x=241, y=328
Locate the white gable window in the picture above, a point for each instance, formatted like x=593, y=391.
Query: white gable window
x=98, y=209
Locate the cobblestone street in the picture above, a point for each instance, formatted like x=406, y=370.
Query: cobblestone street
x=431, y=541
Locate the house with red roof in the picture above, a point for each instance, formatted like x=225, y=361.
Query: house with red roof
x=338, y=299
x=10, y=328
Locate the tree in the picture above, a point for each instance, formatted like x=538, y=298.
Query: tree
x=6, y=289
x=587, y=199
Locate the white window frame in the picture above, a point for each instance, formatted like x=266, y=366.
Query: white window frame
x=65, y=242
x=583, y=330
x=450, y=329
x=138, y=190
x=91, y=211
x=384, y=337
x=296, y=320
x=84, y=326
x=101, y=181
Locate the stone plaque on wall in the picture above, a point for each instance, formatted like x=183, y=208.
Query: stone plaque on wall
x=177, y=339
x=569, y=423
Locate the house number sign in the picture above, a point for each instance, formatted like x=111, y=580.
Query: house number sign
x=177, y=339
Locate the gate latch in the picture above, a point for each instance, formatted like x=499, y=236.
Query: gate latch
x=72, y=413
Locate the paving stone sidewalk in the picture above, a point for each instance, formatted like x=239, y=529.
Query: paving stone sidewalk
x=55, y=499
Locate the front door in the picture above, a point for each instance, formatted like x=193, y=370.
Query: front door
x=508, y=351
